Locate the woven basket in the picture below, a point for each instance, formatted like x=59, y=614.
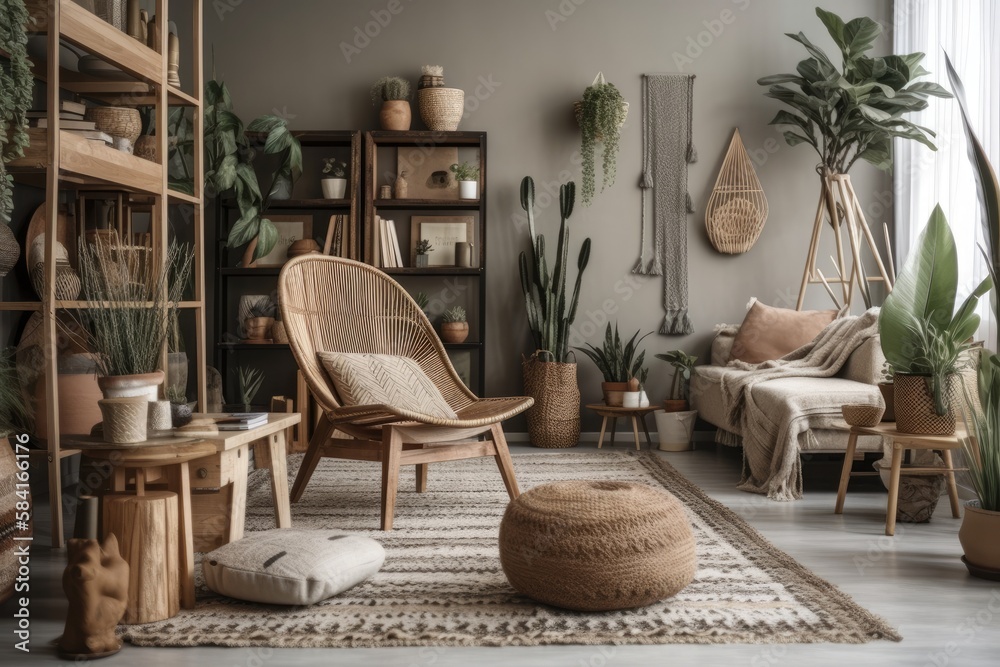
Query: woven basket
x=862, y=414
x=914, y=405
x=430, y=81
x=554, y=421
x=10, y=251
x=68, y=284
x=146, y=148
x=112, y=11
x=441, y=109
x=278, y=333
x=125, y=419
x=737, y=209
x=123, y=122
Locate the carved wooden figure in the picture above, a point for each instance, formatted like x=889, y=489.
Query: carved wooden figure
x=96, y=583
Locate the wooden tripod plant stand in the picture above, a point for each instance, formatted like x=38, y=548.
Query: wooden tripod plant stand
x=839, y=204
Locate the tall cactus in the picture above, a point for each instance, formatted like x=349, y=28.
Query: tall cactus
x=545, y=294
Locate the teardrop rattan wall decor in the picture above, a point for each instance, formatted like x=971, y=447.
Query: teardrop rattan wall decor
x=737, y=209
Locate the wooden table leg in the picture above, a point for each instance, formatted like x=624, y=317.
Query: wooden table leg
x=186, y=541
x=118, y=479
x=238, y=499
x=845, y=474
x=604, y=426
x=649, y=441
x=635, y=433
x=421, y=477
x=890, y=512
x=614, y=422
x=279, y=480
x=956, y=508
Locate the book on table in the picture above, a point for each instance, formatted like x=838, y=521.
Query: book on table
x=241, y=421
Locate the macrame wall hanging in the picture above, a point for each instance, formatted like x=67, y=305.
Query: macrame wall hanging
x=737, y=209
x=667, y=149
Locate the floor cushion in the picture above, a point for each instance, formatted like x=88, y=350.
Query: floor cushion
x=292, y=566
x=597, y=545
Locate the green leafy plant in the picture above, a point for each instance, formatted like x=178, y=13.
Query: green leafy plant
x=424, y=246
x=229, y=166
x=15, y=414
x=982, y=453
x=921, y=332
x=250, y=380
x=465, y=171
x=601, y=115
x=175, y=394
x=129, y=319
x=16, y=85
x=390, y=88
x=851, y=113
x=683, y=364
x=550, y=314
x=988, y=188
x=422, y=300
x=334, y=167
x=456, y=314
x=618, y=362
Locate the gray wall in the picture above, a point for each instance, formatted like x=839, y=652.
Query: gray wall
x=540, y=56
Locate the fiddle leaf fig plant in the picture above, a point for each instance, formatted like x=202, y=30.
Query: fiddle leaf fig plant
x=851, y=112
x=16, y=84
x=921, y=332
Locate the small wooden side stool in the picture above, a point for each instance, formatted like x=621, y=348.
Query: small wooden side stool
x=637, y=415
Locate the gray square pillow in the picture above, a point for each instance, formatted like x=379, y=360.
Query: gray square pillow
x=373, y=379
x=292, y=566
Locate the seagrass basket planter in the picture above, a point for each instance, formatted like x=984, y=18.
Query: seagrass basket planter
x=119, y=122
x=554, y=420
x=737, y=208
x=914, y=405
x=441, y=109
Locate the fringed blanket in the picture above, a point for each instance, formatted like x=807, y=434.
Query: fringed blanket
x=771, y=432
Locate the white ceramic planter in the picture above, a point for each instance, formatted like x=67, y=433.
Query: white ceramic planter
x=132, y=386
x=630, y=399
x=334, y=188
x=675, y=429
x=468, y=189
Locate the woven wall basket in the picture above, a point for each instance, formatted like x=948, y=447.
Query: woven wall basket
x=554, y=420
x=441, y=109
x=737, y=209
x=914, y=405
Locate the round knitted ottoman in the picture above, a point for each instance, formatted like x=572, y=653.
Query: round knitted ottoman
x=597, y=546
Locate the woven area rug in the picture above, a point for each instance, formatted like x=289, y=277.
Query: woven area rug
x=442, y=584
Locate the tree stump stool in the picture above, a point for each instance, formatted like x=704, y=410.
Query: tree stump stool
x=147, y=532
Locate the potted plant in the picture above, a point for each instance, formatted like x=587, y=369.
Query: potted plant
x=467, y=176
x=441, y=108
x=888, y=390
x=617, y=362
x=392, y=94
x=980, y=532
x=680, y=389
x=259, y=320
x=229, y=166
x=454, y=325
x=922, y=335
x=335, y=178
x=15, y=101
x=249, y=380
x=423, y=248
x=549, y=374
x=601, y=115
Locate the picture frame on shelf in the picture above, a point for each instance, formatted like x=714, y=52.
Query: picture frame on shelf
x=428, y=171
x=291, y=228
x=443, y=231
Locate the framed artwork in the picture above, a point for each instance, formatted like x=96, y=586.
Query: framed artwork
x=443, y=231
x=428, y=171
x=291, y=228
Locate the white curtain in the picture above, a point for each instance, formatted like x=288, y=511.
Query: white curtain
x=969, y=30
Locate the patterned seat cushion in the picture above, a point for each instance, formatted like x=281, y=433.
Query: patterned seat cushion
x=373, y=379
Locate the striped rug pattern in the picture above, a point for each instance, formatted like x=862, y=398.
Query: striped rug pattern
x=442, y=585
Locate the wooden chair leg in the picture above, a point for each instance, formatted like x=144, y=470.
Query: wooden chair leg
x=392, y=447
x=504, y=462
x=956, y=507
x=890, y=512
x=311, y=460
x=845, y=473
x=421, y=477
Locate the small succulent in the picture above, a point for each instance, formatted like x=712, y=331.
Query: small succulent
x=456, y=314
x=250, y=380
x=390, y=88
x=336, y=168
x=465, y=171
x=422, y=300
x=424, y=246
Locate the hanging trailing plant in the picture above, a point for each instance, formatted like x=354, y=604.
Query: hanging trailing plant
x=601, y=114
x=16, y=83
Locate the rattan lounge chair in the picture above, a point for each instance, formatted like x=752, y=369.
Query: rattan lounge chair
x=330, y=304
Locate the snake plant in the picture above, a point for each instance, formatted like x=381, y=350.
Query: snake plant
x=618, y=362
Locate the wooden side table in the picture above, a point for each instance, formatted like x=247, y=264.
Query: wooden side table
x=943, y=444
x=637, y=415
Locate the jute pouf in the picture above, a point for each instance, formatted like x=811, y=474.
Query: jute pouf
x=597, y=546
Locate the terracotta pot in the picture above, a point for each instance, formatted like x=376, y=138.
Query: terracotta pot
x=675, y=405
x=889, y=396
x=395, y=115
x=78, y=409
x=980, y=538
x=614, y=393
x=303, y=247
x=128, y=386
x=914, y=406
x=258, y=328
x=454, y=332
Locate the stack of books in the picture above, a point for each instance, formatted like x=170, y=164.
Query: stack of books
x=385, y=243
x=241, y=421
x=338, y=238
x=71, y=119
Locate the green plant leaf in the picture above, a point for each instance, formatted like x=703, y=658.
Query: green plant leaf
x=267, y=237
x=834, y=25
x=860, y=34
x=244, y=229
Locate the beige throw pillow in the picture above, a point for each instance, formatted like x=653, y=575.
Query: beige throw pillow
x=371, y=379
x=770, y=333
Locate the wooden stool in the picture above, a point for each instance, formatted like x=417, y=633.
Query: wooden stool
x=637, y=415
x=146, y=527
x=942, y=444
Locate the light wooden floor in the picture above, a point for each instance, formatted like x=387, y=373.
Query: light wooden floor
x=915, y=581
